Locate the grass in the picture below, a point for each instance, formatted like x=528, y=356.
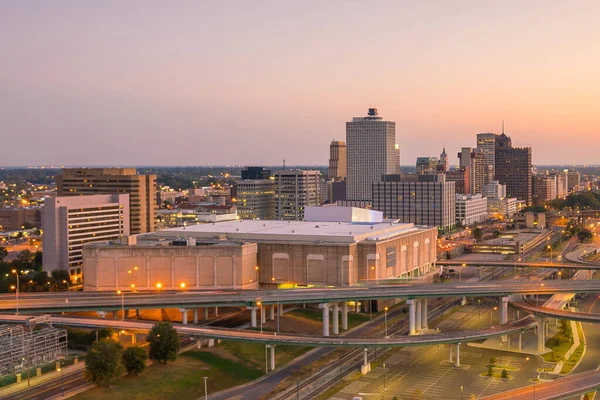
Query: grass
x=577, y=354
x=317, y=315
x=559, y=344
x=10, y=379
x=332, y=390
x=180, y=380
x=495, y=375
x=254, y=353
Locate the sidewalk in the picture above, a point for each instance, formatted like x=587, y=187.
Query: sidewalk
x=34, y=381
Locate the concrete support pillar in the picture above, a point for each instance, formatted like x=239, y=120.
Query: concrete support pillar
x=546, y=327
x=450, y=352
x=541, y=335
x=336, y=319
x=252, y=316
x=211, y=343
x=356, y=306
x=205, y=313
x=263, y=315
x=102, y=314
x=458, y=354
x=115, y=315
x=198, y=343
x=411, y=317
x=345, y=315
x=126, y=314
x=272, y=312
x=365, y=368
x=504, y=314
x=183, y=315
x=280, y=309
x=520, y=341
x=272, y=347
x=216, y=311
x=133, y=338
x=195, y=315
x=424, y=314
x=418, y=316
x=325, y=307
x=137, y=312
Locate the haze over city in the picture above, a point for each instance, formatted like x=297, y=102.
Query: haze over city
x=200, y=83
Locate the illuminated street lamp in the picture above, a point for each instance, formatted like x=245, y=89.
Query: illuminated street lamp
x=158, y=287
x=259, y=304
x=122, y=304
x=385, y=310
x=492, y=316
x=14, y=271
x=66, y=283
x=182, y=286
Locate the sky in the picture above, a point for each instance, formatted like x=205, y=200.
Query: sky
x=159, y=82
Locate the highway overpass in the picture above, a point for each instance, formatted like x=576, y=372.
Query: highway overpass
x=509, y=263
x=102, y=301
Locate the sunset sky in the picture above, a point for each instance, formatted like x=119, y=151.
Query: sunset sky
x=253, y=82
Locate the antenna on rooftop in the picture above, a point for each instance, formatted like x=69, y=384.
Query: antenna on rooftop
x=284, y=163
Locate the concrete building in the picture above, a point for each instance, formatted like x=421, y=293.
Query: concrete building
x=183, y=217
x=562, y=184
x=513, y=168
x=20, y=218
x=371, y=153
x=494, y=190
x=295, y=190
x=486, y=143
x=152, y=261
x=427, y=165
x=332, y=253
x=471, y=209
x=573, y=181
x=461, y=179
x=255, y=173
x=337, y=161
x=502, y=208
x=256, y=198
x=429, y=202
x=70, y=222
x=140, y=188
x=444, y=163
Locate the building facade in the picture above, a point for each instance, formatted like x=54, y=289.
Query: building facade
x=337, y=161
x=494, y=190
x=20, y=218
x=474, y=161
x=256, y=199
x=70, y=222
x=140, y=188
x=422, y=203
x=486, y=143
x=502, y=208
x=371, y=152
x=573, y=181
x=471, y=209
x=295, y=190
x=513, y=168
x=460, y=177
x=543, y=188
x=427, y=165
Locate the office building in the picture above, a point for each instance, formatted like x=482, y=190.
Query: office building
x=370, y=152
x=562, y=184
x=573, y=181
x=502, y=208
x=140, y=188
x=494, y=190
x=337, y=161
x=513, y=168
x=346, y=249
x=294, y=191
x=69, y=222
x=427, y=165
x=486, y=143
x=255, y=199
x=429, y=202
x=255, y=173
x=20, y=218
x=461, y=179
x=474, y=161
x=471, y=209
x=543, y=188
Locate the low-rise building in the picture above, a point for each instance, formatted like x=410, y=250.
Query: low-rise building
x=502, y=208
x=471, y=209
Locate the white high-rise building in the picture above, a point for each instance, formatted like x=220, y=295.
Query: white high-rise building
x=371, y=153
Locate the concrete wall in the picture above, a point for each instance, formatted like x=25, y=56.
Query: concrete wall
x=199, y=267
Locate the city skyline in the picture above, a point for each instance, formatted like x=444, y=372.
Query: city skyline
x=196, y=84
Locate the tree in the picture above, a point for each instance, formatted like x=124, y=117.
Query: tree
x=496, y=233
x=490, y=370
x=504, y=374
x=104, y=362
x=105, y=333
x=477, y=234
x=164, y=342
x=3, y=253
x=492, y=361
x=134, y=360
x=585, y=236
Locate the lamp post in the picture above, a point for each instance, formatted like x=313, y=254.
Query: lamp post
x=158, y=287
x=62, y=378
x=14, y=271
x=492, y=316
x=461, y=391
x=258, y=303
x=385, y=309
x=460, y=273
x=205, y=388
x=182, y=286
x=384, y=377
x=122, y=304
x=278, y=304
x=550, y=248
x=66, y=282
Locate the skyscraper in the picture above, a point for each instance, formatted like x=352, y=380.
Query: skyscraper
x=427, y=165
x=486, y=142
x=474, y=160
x=513, y=168
x=444, y=163
x=337, y=160
x=255, y=198
x=371, y=153
x=140, y=188
x=295, y=190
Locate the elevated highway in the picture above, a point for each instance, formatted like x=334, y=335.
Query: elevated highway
x=508, y=263
x=294, y=340
x=101, y=301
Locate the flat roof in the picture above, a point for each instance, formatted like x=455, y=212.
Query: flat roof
x=303, y=231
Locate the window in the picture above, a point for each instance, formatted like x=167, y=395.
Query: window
x=390, y=257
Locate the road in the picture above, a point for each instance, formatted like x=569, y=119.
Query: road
x=295, y=340
x=561, y=388
x=96, y=301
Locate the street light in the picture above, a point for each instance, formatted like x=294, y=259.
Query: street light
x=461, y=391
x=278, y=304
x=122, y=304
x=550, y=248
x=182, y=286
x=492, y=316
x=205, y=388
x=384, y=376
x=67, y=283
x=14, y=271
x=460, y=273
x=258, y=303
x=158, y=287
x=385, y=309
x=62, y=378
